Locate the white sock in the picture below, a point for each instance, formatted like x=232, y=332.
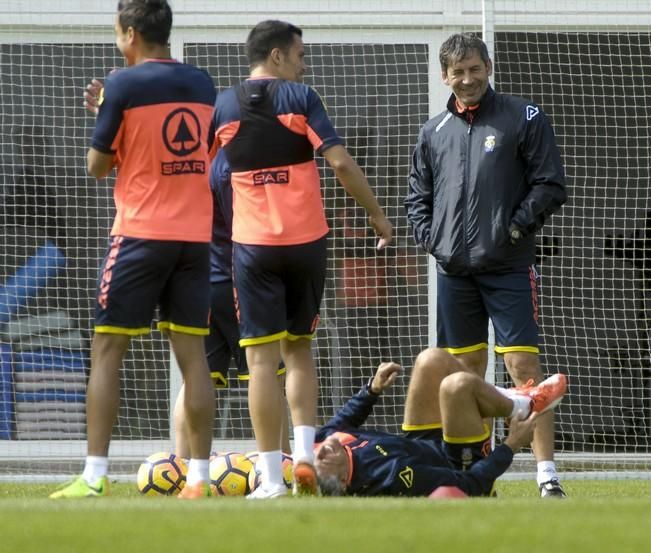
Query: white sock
x=270, y=464
x=95, y=468
x=521, y=406
x=546, y=471
x=198, y=471
x=303, y=444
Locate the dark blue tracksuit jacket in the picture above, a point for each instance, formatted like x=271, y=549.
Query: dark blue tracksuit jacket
x=389, y=464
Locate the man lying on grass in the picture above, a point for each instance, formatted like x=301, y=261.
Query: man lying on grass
x=445, y=440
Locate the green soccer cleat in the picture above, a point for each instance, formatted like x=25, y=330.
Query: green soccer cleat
x=80, y=488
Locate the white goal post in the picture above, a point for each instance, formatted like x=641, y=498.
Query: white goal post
x=376, y=66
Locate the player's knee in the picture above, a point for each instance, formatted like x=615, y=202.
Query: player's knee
x=435, y=360
x=457, y=384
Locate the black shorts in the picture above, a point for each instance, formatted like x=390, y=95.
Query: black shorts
x=278, y=290
x=222, y=344
x=137, y=275
x=462, y=453
x=464, y=305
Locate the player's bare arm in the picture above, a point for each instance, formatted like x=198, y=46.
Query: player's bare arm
x=99, y=164
x=385, y=376
x=354, y=182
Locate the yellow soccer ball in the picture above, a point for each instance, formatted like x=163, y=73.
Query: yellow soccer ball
x=161, y=474
x=229, y=474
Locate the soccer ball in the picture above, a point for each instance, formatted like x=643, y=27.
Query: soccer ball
x=229, y=474
x=161, y=474
x=288, y=471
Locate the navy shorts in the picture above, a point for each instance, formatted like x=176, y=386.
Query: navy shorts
x=222, y=344
x=278, y=290
x=466, y=303
x=138, y=275
x=463, y=453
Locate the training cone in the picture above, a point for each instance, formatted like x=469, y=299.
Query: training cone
x=447, y=492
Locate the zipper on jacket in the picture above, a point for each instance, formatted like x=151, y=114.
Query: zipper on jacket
x=466, y=181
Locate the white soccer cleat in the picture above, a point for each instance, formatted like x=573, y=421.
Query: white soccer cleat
x=272, y=492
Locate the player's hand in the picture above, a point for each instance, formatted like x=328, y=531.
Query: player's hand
x=383, y=228
x=92, y=96
x=385, y=376
x=521, y=432
x=515, y=234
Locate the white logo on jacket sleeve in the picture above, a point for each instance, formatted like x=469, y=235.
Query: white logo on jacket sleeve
x=445, y=120
x=532, y=111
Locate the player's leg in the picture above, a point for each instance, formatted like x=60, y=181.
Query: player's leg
x=302, y=389
x=422, y=410
x=265, y=408
x=265, y=397
x=305, y=281
x=512, y=301
x=128, y=287
x=465, y=401
x=284, y=428
x=523, y=367
x=103, y=393
x=260, y=293
x=198, y=410
x=184, y=307
x=181, y=432
x=197, y=392
x=221, y=344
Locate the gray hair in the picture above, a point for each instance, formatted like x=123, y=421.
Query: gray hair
x=331, y=485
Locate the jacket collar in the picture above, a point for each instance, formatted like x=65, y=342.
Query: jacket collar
x=486, y=100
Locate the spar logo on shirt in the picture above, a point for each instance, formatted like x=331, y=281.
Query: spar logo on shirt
x=182, y=137
x=271, y=176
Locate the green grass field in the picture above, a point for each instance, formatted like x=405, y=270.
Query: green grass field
x=599, y=517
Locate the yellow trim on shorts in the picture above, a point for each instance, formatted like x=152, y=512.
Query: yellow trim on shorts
x=509, y=349
x=107, y=329
x=263, y=339
x=414, y=427
x=192, y=330
x=469, y=439
x=219, y=380
x=467, y=349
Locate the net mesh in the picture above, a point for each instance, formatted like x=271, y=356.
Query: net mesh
x=378, y=74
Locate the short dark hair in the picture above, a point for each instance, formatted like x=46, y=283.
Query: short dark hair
x=459, y=46
x=266, y=36
x=151, y=18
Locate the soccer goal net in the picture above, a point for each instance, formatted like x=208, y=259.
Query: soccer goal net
x=376, y=68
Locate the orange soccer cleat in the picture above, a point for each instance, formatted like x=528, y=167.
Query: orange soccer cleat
x=197, y=491
x=546, y=395
x=305, y=481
